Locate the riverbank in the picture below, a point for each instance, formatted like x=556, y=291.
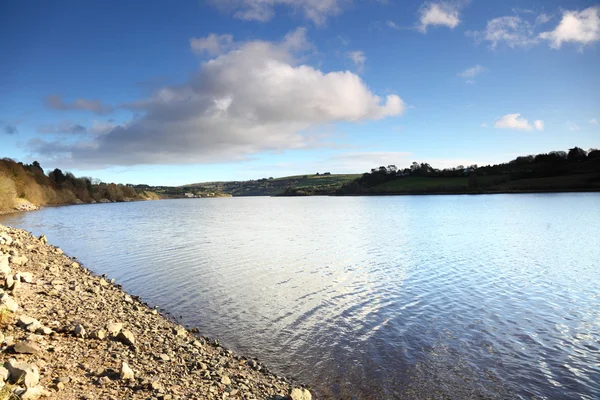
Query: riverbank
x=68, y=334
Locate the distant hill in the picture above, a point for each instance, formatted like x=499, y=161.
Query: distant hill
x=557, y=171
x=297, y=185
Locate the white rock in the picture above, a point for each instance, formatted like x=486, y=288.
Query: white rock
x=26, y=277
x=8, y=301
x=31, y=393
x=114, y=328
x=23, y=372
x=25, y=322
x=126, y=337
x=4, y=267
x=300, y=394
x=9, y=281
x=3, y=374
x=126, y=372
x=18, y=260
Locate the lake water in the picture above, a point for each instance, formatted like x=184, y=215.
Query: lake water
x=459, y=297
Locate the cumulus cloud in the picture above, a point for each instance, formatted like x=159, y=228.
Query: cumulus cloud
x=581, y=27
x=56, y=103
x=358, y=58
x=212, y=44
x=515, y=121
x=63, y=127
x=513, y=31
x=594, y=121
x=438, y=14
x=263, y=10
x=252, y=99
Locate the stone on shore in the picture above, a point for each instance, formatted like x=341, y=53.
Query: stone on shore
x=23, y=373
x=26, y=277
x=32, y=393
x=27, y=347
x=127, y=373
x=99, y=334
x=28, y=323
x=113, y=328
x=18, y=260
x=9, y=303
x=300, y=394
x=126, y=337
x=79, y=331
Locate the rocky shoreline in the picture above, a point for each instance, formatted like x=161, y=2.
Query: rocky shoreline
x=68, y=334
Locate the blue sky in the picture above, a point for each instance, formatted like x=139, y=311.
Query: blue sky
x=189, y=91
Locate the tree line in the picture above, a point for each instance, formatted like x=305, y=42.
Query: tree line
x=31, y=183
x=554, y=163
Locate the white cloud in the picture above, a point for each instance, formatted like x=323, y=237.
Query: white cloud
x=573, y=127
x=438, y=14
x=515, y=121
x=471, y=73
x=263, y=10
x=253, y=99
x=542, y=19
x=513, y=31
x=358, y=58
x=391, y=24
x=483, y=125
x=593, y=121
x=581, y=27
x=212, y=44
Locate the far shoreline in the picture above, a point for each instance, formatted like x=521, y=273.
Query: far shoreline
x=383, y=194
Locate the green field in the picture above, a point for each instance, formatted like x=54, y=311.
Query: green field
x=488, y=184
x=294, y=185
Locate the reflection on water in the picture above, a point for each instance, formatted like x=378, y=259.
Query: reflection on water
x=372, y=297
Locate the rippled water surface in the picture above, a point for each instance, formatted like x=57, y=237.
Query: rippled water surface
x=459, y=297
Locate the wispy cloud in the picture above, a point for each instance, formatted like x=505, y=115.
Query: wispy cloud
x=573, y=127
x=264, y=10
x=56, y=103
x=523, y=29
x=593, y=121
x=358, y=58
x=470, y=73
x=212, y=44
x=64, y=127
x=512, y=31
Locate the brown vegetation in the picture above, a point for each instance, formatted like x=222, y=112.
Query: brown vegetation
x=29, y=182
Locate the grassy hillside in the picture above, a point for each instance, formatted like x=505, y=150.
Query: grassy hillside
x=289, y=185
x=21, y=183
x=554, y=172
